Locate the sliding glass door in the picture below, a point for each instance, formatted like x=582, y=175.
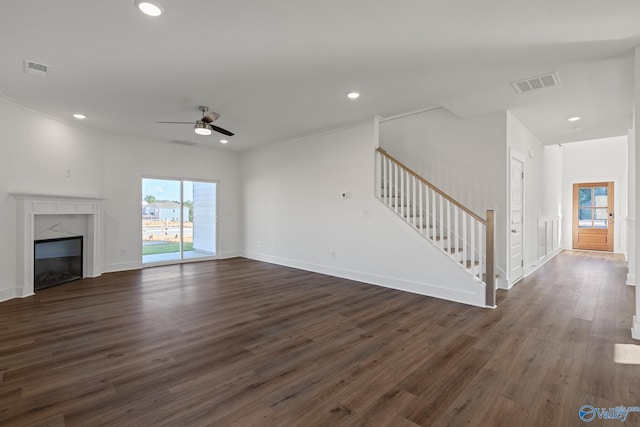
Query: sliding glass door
x=179, y=220
x=199, y=228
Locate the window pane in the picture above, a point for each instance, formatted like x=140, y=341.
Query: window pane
x=585, y=217
x=601, y=218
x=160, y=220
x=584, y=195
x=600, y=194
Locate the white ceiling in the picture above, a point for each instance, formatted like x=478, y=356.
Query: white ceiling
x=279, y=69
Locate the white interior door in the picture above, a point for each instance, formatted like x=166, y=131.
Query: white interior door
x=516, y=218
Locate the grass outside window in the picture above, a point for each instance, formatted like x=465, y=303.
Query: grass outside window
x=165, y=248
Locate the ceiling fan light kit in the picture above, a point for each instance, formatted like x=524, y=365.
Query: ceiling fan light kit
x=203, y=126
x=202, y=129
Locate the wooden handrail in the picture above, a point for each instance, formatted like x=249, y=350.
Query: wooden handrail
x=436, y=189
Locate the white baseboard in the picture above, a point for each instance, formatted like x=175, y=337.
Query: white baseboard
x=455, y=295
x=532, y=268
x=501, y=279
x=123, y=266
x=11, y=293
x=536, y=265
x=631, y=280
x=7, y=294
x=230, y=254
x=635, y=330
x=137, y=265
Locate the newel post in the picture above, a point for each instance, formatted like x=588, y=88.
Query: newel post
x=490, y=283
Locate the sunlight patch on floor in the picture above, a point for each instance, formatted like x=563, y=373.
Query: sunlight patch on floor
x=626, y=354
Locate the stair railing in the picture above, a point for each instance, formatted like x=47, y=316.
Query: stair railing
x=463, y=235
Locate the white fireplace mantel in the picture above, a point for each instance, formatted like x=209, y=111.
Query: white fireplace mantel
x=28, y=206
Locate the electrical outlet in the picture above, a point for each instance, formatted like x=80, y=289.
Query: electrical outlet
x=259, y=244
x=123, y=252
x=332, y=255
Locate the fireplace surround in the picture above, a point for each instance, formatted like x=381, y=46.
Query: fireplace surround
x=33, y=209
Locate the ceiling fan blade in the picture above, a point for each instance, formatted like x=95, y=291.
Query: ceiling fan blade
x=180, y=123
x=211, y=117
x=220, y=130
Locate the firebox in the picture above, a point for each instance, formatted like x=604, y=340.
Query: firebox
x=57, y=261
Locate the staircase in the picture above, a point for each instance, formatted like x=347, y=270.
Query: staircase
x=466, y=238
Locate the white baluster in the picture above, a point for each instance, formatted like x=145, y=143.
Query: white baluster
x=441, y=220
x=403, y=191
x=434, y=215
x=465, y=251
x=414, y=200
x=481, y=246
x=385, y=184
x=396, y=186
x=427, y=212
x=449, y=228
x=472, y=251
x=456, y=232
x=407, y=197
x=420, y=205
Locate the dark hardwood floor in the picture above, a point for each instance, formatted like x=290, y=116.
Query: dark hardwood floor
x=244, y=343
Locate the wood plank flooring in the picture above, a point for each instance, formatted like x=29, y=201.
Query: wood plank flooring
x=245, y=343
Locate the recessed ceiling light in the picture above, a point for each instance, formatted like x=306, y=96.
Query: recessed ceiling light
x=79, y=116
x=573, y=119
x=353, y=95
x=223, y=141
x=150, y=8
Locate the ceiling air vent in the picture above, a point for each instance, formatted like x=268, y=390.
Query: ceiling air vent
x=536, y=83
x=183, y=142
x=35, y=68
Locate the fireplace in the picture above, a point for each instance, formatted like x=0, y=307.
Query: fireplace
x=47, y=217
x=56, y=261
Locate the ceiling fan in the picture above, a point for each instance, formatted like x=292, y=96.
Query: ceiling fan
x=203, y=126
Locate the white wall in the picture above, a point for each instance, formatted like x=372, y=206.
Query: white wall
x=466, y=158
x=36, y=152
x=127, y=160
x=635, y=151
x=552, y=188
x=521, y=140
x=42, y=155
x=542, y=192
x=598, y=160
x=294, y=215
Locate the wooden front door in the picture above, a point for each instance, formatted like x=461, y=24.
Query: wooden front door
x=593, y=216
